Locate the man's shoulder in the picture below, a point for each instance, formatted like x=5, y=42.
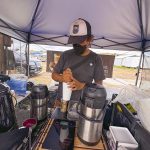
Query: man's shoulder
x=68, y=52
x=94, y=54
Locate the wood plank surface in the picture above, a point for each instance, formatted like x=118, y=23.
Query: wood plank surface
x=82, y=148
x=44, y=134
x=78, y=145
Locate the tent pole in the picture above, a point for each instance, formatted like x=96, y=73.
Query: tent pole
x=12, y=29
x=139, y=67
x=14, y=38
x=20, y=56
x=117, y=43
x=142, y=68
x=28, y=40
x=143, y=40
x=27, y=59
x=50, y=39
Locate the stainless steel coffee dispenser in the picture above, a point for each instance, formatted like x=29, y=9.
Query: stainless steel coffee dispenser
x=39, y=96
x=91, y=114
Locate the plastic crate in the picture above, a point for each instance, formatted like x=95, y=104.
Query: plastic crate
x=121, y=139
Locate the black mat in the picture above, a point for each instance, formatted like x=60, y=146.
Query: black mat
x=52, y=140
x=12, y=140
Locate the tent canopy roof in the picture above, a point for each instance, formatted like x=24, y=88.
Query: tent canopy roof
x=119, y=24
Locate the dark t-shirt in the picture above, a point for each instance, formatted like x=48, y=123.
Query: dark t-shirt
x=90, y=69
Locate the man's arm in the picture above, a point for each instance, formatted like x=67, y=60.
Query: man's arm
x=65, y=77
x=77, y=85
x=74, y=84
x=68, y=78
x=57, y=77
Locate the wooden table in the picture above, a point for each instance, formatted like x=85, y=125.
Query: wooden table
x=78, y=145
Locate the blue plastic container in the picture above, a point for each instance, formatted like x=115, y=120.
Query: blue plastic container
x=19, y=86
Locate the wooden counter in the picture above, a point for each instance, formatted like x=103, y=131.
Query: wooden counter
x=78, y=145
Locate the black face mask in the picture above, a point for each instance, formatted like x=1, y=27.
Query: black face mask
x=79, y=50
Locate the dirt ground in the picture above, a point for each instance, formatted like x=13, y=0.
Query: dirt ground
x=42, y=78
x=124, y=73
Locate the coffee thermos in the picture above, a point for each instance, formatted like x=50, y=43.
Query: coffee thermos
x=39, y=100
x=91, y=114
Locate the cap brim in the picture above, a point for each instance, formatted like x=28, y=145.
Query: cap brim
x=76, y=39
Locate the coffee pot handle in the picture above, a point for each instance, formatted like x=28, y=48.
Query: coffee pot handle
x=93, y=120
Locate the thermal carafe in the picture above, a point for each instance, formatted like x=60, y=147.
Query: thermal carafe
x=39, y=96
x=91, y=114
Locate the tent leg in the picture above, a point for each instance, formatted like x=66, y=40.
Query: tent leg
x=20, y=56
x=139, y=67
x=27, y=59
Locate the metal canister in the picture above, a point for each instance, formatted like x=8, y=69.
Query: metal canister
x=39, y=96
x=91, y=114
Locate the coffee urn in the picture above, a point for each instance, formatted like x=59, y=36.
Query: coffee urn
x=91, y=114
x=39, y=95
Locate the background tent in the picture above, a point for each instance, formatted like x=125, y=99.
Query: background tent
x=127, y=60
x=116, y=24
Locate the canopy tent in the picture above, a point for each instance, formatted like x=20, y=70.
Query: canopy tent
x=116, y=24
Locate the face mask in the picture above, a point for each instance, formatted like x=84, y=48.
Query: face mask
x=79, y=50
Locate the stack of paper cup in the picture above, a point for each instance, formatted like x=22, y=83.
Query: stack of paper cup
x=66, y=94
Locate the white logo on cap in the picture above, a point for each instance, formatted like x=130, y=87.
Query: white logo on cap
x=91, y=64
x=75, y=29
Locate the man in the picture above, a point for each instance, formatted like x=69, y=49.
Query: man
x=78, y=66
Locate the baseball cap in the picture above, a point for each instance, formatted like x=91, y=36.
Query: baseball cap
x=80, y=29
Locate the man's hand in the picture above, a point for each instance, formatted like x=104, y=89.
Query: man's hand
x=75, y=84
x=67, y=75
x=57, y=103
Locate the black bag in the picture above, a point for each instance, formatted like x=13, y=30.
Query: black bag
x=7, y=112
x=124, y=118
x=107, y=118
x=13, y=140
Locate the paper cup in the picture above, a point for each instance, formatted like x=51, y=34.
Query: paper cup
x=66, y=94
